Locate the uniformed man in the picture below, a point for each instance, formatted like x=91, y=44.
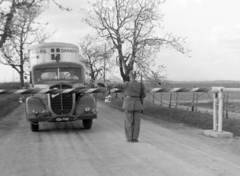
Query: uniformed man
x=132, y=105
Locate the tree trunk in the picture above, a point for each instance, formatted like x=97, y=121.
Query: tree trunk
x=21, y=73
x=22, y=80
x=124, y=69
x=7, y=31
x=22, y=63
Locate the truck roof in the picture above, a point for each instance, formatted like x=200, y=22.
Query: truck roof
x=57, y=64
x=53, y=44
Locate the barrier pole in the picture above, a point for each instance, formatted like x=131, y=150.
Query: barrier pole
x=215, y=98
x=220, y=109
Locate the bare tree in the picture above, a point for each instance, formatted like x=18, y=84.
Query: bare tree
x=9, y=15
x=131, y=25
x=10, y=11
x=14, y=51
x=95, y=55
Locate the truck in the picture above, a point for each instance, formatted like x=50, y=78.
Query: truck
x=54, y=66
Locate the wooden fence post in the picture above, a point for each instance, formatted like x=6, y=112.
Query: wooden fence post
x=196, y=103
x=176, y=100
x=153, y=96
x=227, y=106
x=193, y=100
x=170, y=100
x=161, y=98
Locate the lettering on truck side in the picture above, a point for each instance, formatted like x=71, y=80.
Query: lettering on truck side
x=62, y=51
x=68, y=51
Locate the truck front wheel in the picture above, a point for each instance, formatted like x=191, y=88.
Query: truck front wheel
x=34, y=127
x=87, y=124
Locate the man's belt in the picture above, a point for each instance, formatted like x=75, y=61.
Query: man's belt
x=133, y=96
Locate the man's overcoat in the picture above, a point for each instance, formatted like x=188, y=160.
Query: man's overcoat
x=132, y=91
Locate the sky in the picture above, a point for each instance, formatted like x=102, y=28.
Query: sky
x=212, y=29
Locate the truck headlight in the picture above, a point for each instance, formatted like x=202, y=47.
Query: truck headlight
x=95, y=111
x=45, y=113
x=35, y=112
x=20, y=100
x=87, y=109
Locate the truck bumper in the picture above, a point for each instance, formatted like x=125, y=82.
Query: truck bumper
x=61, y=118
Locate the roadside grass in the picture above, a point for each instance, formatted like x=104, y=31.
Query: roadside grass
x=8, y=102
x=189, y=118
x=233, y=106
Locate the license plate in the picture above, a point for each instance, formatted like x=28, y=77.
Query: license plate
x=62, y=119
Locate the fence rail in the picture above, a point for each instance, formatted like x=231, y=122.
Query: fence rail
x=218, y=100
x=194, y=99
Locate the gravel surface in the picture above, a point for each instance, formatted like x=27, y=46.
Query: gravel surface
x=165, y=149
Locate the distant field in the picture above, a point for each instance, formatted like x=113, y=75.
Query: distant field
x=209, y=84
x=189, y=84
x=9, y=85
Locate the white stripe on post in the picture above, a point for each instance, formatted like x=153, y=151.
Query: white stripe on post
x=220, y=109
x=67, y=90
x=174, y=89
x=19, y=91
x=155, y=89
x=194, y=90
x=215, y=98
x=44, y=91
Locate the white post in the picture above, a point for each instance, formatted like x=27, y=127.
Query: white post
x=215, y=98
x=220, y=109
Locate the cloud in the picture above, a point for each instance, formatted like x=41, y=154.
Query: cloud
x=198, y=1
x=69, y=25
x=227, y=37
x=186, y=3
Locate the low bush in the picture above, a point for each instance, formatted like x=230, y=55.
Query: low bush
x=8, y=102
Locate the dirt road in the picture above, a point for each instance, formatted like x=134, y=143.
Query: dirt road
x=67, y=149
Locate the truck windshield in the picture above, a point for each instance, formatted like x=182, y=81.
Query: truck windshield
x=66, y=73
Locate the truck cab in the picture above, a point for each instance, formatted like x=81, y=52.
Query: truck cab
x=57, y=66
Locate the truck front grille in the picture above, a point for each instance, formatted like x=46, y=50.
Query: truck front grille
x=61, y=103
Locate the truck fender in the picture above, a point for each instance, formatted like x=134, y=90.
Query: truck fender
x=83, y=102
x=34, y=104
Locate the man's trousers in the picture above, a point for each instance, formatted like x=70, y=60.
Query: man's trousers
x=132, y=124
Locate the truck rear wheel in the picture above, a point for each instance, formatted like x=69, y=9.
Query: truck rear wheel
x=87, y=124
x=34, y=127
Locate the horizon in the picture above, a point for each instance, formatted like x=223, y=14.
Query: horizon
x=214, y=81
